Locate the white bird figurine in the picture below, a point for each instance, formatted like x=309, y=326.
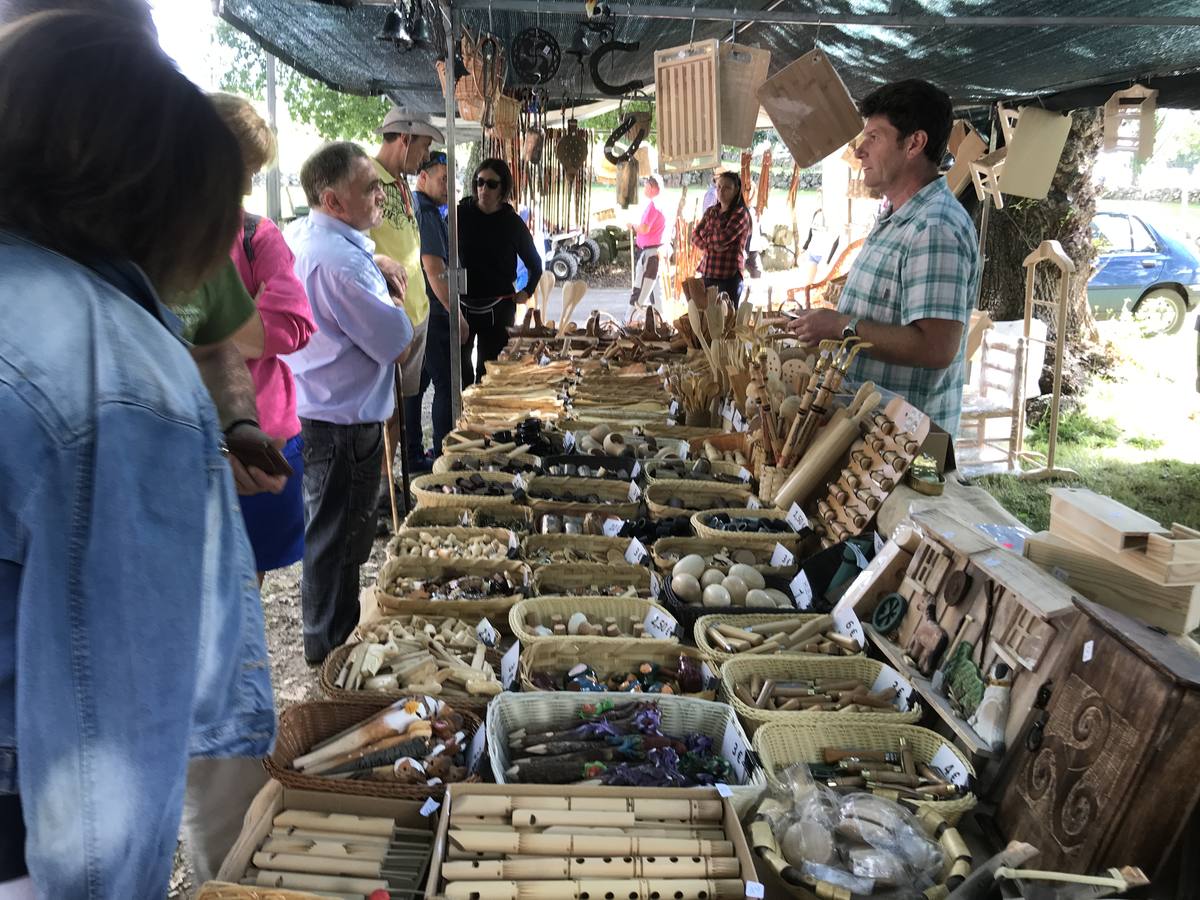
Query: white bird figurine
x=991, y=716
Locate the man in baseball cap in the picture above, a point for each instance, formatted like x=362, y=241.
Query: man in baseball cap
x=407, y=137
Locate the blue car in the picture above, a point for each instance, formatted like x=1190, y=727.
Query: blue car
x=1143, y=269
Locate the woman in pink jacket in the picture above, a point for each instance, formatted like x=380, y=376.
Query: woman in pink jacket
x=284, y=324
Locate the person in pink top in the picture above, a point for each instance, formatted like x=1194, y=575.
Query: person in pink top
x=649, y=238
x=284, y=324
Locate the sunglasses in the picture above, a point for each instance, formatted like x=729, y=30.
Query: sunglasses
x=491, y=183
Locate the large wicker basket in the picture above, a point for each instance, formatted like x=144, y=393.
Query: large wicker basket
x=224, y=890
x=657, y=470
x=304, y=725
x=582, y=579
x=585, y=546
x=740, y=669
x=789, y=539
x=484, y=461
x=515, y=518
x=427, y=489
x=494, y=608
x=540, y=611
x=693, y=495
x=668, y=551
x=608, y=656
x=544, y=490
x=680, y=716
x=718, y=657
x=782, y=744
x=441, y=532
x=437, y=517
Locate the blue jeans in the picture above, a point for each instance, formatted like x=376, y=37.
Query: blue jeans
x=342, y=473
x=437, y=368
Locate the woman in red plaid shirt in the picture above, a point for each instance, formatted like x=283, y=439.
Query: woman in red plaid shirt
x=721, y=234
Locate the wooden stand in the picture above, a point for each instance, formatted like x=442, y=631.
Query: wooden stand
x=1052, y=252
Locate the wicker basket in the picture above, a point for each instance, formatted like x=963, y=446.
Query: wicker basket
x=580, y=579
x=638, y=441
x=689, y=614
x=503, y=535
x=607, y=656
x=224, y=890
x=514, y=518
x=483, y=461
x=740, y=669
x=536, y=544
x=680, y=716
x=493, y=608
x=505, y=115
x=437, y=517
x=668, y=551
x=614, y=496
x=719, y=657
x=304, y=725
x=541, y=609
x=782, y=744
x=654, y=469
x=791, y=540
x=613, y=465
x=427, y=491
x=693, y=495
x=726, y=442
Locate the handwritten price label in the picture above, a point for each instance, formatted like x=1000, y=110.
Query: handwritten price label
x=890, y=678
x=846, y=622
x=739, y=422
x=673, y=409
x=508, y=666
x=951, y=766
x=723, y=790
x=802, y=591
x=635, y=492
x=752, y=502
x=519, y=481
x=709, y=677
x=513, y=543
x=612, y=527
x=568, y=442
x=475, y=751
x=755, y=890
x=658, y=624
x=796, y=517
x=782, y=556
x=637, y=470
x=486, y=633
x=744, y=474
x=431, y=806
x=735, y=749
x=635, y=553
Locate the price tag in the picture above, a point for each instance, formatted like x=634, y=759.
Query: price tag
x=755, y=890
x=1089, y=650
x=655, y=585
x=727, y=411
x=635, y=492
x=802, y=591
x=508, y=666
x=659, y=625
x=796, y=517
x=662, y=369
x=612, y=527
x=568, y=442
x=543, y=360
x=744, y=474
x=878, y=543
x=846, y=622
x=1062, y=575
x=431, y=806
x=672, y=422
x=723, y=790
x=859, y=559
x=890, y=678
x=637, y=470
x=635, y=553
x=782, y=556
x=710, y=679
x=752, y=502
x=513, y=543
x=486, y=633
x=519, y=481
x=475, y=751
x=951, y=766
x=734, y=749
x=673, y=409
x=739, y=423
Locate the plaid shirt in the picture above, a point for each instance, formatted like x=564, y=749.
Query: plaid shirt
x=723, y=240
x=919, y=262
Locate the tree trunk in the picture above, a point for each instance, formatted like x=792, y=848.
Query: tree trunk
x=1065, y=216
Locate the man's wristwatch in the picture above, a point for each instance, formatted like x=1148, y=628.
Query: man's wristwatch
x=851, y=329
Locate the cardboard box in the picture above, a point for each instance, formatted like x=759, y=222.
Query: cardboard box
x=730, y=822
x=274, y=798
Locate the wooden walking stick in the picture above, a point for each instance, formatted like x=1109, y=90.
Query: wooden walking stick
x=398, y=386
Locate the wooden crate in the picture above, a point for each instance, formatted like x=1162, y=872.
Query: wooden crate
x=689, y=117
x=1113, y=780
x=810, y=108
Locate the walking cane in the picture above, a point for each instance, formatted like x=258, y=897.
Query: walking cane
x=404, y=460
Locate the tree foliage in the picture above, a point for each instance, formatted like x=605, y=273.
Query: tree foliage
x=334, y=115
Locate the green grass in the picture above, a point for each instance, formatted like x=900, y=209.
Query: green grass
x=1076, y=429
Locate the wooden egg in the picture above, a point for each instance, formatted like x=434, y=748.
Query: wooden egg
x=737, y=589
x=686, y=587
x=748, y=574
x=692, y=564
x=712, y=576
x=715, y=595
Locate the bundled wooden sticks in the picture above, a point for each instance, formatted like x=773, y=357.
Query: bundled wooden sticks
x=817, y=635
x=814, y=695
x=896, y=774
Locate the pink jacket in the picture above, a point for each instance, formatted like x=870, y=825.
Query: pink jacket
x=287, y=324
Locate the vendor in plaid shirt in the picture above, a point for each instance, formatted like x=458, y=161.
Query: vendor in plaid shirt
x=721, y=233
x=911, y=290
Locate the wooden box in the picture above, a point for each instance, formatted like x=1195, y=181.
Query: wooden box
x=1113, y=781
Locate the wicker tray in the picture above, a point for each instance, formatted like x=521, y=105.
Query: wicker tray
x=515, y=518
x=607, y=656
x=689, y=613
x=494, y=608
x=611, y=464
x=680, y=715
x=580, y=543
x=638, y=441
x=719, y=657
x=786, y=668
x=503, y=535
x=578, y=579
x=791, y=540
x=437, y=517
x=614, y=496
x=426, y=490
x=654, y=473
x=485, y=461
x=781, y=744
x=304, y=725
x=542, y=608
x=668, y=551
x=694, y=495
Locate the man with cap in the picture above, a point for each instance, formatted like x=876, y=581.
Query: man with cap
x=407, y=136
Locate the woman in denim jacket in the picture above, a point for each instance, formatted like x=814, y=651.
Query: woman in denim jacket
x=131, y=635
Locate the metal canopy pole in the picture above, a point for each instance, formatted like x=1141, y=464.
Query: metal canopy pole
x=783, y=17
x=453, y=272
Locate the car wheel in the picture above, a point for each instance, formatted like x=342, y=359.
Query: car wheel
x=1160, y=311
x=588, y=252
x=564, y=267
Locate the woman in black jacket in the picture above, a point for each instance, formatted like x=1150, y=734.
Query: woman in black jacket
x=490, y=238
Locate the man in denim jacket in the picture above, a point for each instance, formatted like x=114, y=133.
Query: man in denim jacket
x=131, y=634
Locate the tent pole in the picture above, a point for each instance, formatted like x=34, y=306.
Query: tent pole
x=454, y=274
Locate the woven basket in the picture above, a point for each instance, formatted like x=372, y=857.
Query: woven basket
x=482, y=461
x=427, y=491
x=606, y=655
x=719, y=657
x=505, y=114
x=442, y=532
x=224, y=890
x=541, y=609
x=654, y=469
x=693, y=495
x=686, y=433
x=535, y=544
x=513, y=518
x=614, y=496
x=493, y=608
x=668, y=551
x=789, y=668
x=304, y=725
x=668, y=442
x=613, y=465
x=543, y=711
x=782, y=744
x=436, y=517
x=791, y=540
x=579, y=579
x=726, y=442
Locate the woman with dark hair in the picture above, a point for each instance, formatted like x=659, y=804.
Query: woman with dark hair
x=721, y=234
x=131, y=632
x=491, y=236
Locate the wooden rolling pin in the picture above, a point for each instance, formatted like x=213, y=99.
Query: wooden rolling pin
x=677, y=888
x=828, y=447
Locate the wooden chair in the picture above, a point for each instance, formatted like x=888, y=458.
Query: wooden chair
x=822, y=293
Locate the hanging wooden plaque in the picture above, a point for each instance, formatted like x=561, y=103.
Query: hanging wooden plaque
x=689, y=119
x=810, y=108
x=742, y=71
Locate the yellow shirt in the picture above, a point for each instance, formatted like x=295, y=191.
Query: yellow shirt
x=399, y=237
